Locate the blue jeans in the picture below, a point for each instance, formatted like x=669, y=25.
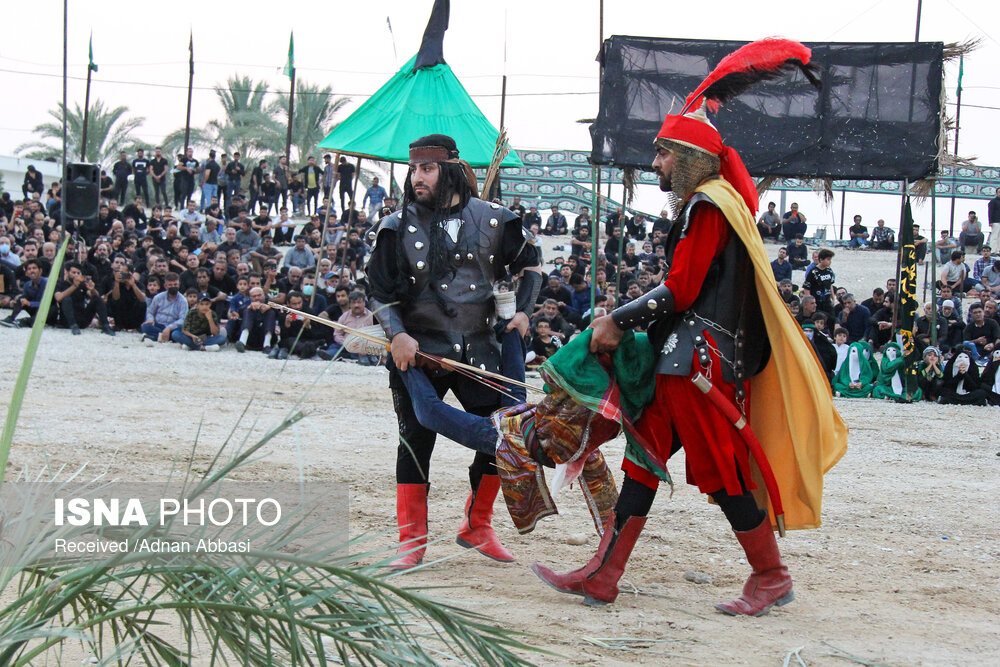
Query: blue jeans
x=179, y=336
x=335, y=347
x=476, y=433
x=858, y=242
x=207, y=192
x=152, y=330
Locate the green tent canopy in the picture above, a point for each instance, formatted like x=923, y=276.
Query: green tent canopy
x=412, y=104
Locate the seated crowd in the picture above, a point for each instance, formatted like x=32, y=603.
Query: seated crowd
x=202, y=279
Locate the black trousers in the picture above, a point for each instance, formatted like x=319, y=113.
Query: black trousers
x=121, y=191
x=345, y=192
x=416, y=443
x=312, y=195
x=129, y=314
x=304, y=347
x=82, y=317
x=160, y=188
x=180, y=194
x=16, y=308
x=141, y=190
x=259, y=324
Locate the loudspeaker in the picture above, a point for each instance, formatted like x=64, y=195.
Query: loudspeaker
x=82, y=190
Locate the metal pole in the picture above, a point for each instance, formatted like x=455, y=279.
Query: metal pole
x=843, y=203
x=65, y=129
x=621, y=247
x=354, y=193
x=503, y=109
x=595, y=182
x=86, y=119
x=187, y=122
x=934, y=262
x=916, y=36
x=291, y=115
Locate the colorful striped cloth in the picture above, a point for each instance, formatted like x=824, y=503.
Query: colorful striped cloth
x=583, y=409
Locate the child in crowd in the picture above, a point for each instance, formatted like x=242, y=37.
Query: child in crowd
x=840, y=344
x=237, y=304
x=544, y=344
x=929, y=374
x=200, y=330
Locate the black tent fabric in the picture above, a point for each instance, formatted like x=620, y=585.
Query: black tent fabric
x=877, y=116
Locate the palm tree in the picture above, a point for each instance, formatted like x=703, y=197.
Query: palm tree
x=109, y=131
x=315, y=109
x=248, y=125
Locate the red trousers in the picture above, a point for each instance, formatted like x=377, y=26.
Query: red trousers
x=713, y=448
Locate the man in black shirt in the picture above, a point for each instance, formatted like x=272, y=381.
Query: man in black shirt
x=531, y=218
x=210, y=181
x=280, y=176
x=345, y=176
x=33, y=183
x=107, y=186
x=158, y=168
x=79, y=301
x=859, y=234
x=234, y=179
x=798, y=253
x=256, y=180
x=140, y=168
x=191, y=168
x=121, y=170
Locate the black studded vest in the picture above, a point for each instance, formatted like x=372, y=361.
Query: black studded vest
x=727, y=308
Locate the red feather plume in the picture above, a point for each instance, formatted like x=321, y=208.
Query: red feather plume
x=758, y=61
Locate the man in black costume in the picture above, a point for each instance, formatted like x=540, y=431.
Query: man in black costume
x=432, y=272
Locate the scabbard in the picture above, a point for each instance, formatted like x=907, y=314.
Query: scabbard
x=739, y=422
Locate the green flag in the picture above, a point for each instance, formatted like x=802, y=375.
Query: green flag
x=908, y=298
x=92, y=65
x=290, y=65
x=961, y=71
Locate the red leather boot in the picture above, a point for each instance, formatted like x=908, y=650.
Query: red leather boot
x=476, y=531
x=411, y=515
x=769, y=584
x=597, y=581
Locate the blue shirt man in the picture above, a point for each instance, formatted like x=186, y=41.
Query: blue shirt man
x=854, y=317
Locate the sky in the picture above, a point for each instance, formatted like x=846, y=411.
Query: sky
x=547, y=49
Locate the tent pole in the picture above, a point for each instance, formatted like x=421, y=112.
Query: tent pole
x=354, y=191
x=621, y=246
x=843, y=203
x=595, y=184
x=934, y=262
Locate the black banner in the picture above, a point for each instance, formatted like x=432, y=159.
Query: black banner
x=876, y=117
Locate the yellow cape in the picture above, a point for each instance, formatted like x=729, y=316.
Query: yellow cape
x=791, y=404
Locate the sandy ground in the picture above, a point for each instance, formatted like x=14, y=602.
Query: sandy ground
x=903, y=571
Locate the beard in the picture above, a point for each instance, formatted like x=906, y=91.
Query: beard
x=172, y=291
x=665, y=184
x=425, y=197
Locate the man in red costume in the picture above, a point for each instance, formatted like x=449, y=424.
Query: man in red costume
x=710, y=317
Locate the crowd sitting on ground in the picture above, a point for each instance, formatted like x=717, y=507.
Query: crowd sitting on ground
x=207, y=275
x=202, y=274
